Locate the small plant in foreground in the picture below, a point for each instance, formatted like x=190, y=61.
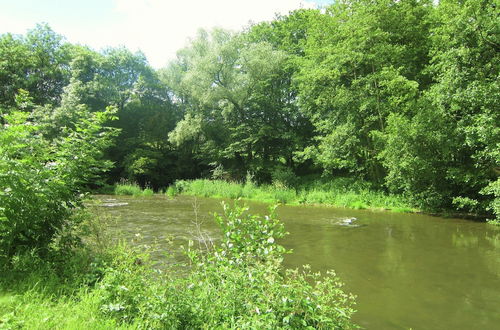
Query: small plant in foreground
x=243, y=285
x=249, y=236
x=239, y=284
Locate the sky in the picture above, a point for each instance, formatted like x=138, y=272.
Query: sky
x=156, y=27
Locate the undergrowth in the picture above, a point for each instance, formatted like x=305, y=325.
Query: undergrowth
x=133, y=189
x=237, y=284
x=339, y=193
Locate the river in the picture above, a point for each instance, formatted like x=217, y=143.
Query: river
x=408, y=271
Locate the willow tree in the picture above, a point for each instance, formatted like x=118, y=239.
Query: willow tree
x=237, y=109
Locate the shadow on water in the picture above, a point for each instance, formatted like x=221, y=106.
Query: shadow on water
x=407, y=270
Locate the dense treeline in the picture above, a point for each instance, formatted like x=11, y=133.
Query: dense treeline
x=402, y=94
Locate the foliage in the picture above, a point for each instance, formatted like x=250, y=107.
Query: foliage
x=238, y=115
x=42, y=181
x=237, y=284
x=410, y=158
x=248, y=237
x=283, y=177
x=55, y=292
x=37, y=62
x=402, y=94
x=494, y=206
x=171, y=191
x=133, y=189
x=338, y=192
x=363, y=61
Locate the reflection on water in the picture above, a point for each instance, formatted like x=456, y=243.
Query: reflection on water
x=407, y=271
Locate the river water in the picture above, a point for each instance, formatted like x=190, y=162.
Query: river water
x=408, y=271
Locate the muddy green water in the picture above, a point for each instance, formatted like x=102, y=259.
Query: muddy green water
x=407, y=271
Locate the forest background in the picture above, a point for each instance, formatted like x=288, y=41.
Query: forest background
x=396, y=96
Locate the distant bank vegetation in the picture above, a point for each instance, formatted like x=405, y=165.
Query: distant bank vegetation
x=339, y=193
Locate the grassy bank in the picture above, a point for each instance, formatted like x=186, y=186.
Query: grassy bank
x=338, y=193
x=132, y=189
x=239, y=284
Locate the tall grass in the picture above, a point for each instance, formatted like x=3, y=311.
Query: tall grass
x=339, y=193
x=132, y=189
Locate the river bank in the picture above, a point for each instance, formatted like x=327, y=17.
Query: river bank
x=341, y=193
x=337, y=193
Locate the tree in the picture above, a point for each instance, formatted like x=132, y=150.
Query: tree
x=38, y=63
x=359, y=67
x=236, y=89
x=466, y=65
x=446, y=154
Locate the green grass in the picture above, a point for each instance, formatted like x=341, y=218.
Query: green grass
x=338, y=193
x=171, y=191
x=43, y=296
x=132, y=189
x=341, y=192
x=148, y=192
x=32, y=310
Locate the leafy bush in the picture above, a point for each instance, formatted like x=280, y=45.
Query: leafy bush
x=42, y=181
x=237, y=284
x=283, y=177
x=284, y=196
x=210, y=188
x=148, y=192
x=219, y=173
x=494, y=207
x=171, y=191
x=243, y=285
x=128, y=189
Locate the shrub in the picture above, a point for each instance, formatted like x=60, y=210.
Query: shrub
x=241, y=283
x=238, y=284
x=284, y=196
x=42, y=181
x=493, y=189
x=283, y=176
x=131, y=189
x=148, y=192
